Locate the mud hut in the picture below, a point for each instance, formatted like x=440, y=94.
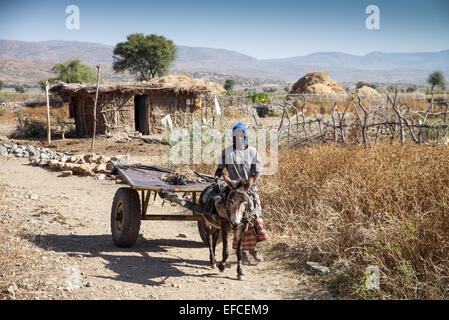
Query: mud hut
x=135, y=106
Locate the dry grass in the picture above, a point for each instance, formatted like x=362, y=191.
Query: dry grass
x=386, y=206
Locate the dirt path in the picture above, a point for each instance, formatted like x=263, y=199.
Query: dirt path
x=66, y=222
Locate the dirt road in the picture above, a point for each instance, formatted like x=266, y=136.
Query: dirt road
x=65, y=222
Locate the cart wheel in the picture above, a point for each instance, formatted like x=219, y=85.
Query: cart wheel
x=203, y=233
x=125, y=217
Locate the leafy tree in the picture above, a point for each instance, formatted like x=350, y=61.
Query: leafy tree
x=73, y=71
x=2, y=84
x=411, y=89
x=19, y=88
x=229, y=84
x=144, y=56
x=436, y=79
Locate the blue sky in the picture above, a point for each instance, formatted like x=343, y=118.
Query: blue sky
x=274, y=29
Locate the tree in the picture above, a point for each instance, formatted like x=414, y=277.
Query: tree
x=73, y=71
x=436, y=79
x=144, y=56
x=2, y=84
x=411, y=89
x=229, y=84
x=19, y=88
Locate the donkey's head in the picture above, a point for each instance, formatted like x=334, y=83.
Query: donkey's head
x=238, y=200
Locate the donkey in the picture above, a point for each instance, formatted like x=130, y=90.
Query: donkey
x=229, y=203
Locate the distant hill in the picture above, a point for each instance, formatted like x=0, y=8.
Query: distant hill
x=27, y=62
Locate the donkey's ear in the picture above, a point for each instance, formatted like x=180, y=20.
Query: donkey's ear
x=233, y=184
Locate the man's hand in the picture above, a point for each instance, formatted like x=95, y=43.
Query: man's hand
x=218, y=174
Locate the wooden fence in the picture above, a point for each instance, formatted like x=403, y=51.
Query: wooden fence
x=360, y=123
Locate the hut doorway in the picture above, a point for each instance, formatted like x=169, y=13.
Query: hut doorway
x=141, y=114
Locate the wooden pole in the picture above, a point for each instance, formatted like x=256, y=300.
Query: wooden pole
x=48, y=113
x=92, y=146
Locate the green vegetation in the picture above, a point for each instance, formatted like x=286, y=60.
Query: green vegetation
x=258, y=97
x=73, y=71
x=2, y=84
x=229, y=84
x=144, y=56
x=436, y=79
x=19, y=88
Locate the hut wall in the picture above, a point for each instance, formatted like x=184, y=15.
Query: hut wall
x=115, y=112
x=161, y=104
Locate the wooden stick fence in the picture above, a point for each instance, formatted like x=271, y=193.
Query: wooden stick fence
x=361, y=123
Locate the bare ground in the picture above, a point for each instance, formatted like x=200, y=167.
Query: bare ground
x=64, y=235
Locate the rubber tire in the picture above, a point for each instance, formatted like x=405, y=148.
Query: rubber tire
x=126, y=202
x=202, y=232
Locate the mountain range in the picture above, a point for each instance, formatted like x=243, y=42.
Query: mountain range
x=22, y=58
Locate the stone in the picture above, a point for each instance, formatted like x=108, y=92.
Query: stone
x=66, y=173
x=33, y=197
x=53, y=164
x=100, y=176
x=101, y=168
x=3, y=151
x=316, y=267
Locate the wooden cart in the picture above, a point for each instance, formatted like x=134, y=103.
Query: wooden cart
x=128, y=209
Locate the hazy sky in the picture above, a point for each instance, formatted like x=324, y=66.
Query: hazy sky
x=274, y=29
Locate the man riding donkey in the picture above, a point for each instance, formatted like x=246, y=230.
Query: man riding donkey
x=243, y=163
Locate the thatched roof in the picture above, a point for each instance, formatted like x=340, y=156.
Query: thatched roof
x=175, y=84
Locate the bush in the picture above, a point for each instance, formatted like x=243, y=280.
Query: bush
x=258, y=97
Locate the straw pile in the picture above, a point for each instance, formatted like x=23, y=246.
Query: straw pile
x=317, y=83
x=368, y=92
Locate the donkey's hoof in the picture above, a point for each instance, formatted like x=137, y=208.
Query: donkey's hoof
x=221, y=266
x=212, y=265
x=241, y=277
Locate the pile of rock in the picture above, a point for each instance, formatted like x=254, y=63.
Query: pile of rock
x=17, y=151
x=84, y=165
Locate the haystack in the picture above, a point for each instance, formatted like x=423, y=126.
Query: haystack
x=368, y=92
x=317, y=83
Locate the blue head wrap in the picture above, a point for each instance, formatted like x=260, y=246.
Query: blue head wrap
x=240, y=126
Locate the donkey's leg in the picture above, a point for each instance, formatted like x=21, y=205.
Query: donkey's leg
x=224, y=238
x=211, y=246
x=239, y=234
x=215, y=235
